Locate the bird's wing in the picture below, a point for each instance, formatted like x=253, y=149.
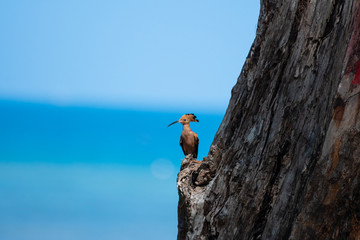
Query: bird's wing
x=196, y=145
x=181, y=144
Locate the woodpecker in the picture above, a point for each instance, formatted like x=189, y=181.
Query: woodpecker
x=189, y=140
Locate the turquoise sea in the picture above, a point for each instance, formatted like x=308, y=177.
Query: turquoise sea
x=73, y=173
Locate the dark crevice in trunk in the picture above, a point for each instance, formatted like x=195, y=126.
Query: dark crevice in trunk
x=260, y=221
x=336, y=12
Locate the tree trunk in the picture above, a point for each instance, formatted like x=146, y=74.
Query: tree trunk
x=285, y=162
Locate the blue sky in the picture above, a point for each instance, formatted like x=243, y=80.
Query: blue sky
x=159, y=54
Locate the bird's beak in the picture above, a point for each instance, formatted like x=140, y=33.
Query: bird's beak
x=196, y=120
x=173, y=123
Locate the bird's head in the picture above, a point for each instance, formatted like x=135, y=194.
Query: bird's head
x=186, y=119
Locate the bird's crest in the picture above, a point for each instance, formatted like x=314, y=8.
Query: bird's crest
x=190, y=116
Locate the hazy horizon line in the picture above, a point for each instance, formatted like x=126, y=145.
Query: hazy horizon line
x=146, y=107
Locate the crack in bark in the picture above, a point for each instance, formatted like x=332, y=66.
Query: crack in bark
x=336, y=11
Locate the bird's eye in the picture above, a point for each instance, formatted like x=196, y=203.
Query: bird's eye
x=184, y=120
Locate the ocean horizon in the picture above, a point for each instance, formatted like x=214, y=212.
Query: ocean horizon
x=91, y=173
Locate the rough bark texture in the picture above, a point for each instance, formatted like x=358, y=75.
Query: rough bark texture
x=285, y=162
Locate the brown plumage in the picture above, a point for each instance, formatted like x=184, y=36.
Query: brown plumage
x=189, y=140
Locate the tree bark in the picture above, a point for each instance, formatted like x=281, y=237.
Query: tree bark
x=285, y=162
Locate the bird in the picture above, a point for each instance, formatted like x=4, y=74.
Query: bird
x=189, y=141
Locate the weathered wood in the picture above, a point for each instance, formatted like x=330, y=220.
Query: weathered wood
x=285, y=162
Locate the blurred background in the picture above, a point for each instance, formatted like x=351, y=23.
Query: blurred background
x=87, y=89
